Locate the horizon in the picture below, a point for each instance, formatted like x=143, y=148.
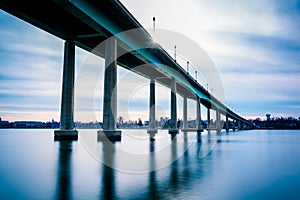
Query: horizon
x=263, y=35
x=157, y=119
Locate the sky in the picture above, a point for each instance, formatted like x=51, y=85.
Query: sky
x=254, y=45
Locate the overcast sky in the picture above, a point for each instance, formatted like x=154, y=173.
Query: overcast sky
x=255, y=46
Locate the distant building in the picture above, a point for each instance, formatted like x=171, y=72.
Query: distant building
x=27, y=124
x=146, y=123
x=4, y=124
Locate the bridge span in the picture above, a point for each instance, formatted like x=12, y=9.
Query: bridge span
x=88, y=23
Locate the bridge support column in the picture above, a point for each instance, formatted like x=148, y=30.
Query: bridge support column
x=208, y=118
x=227, y=124
x=173, y=122
x=239, y=125
x=199, y=120
x=233, y=124
x=110, y=94
x=152, y=123
x=67, y=98
x=185, y=122
x=218, y=121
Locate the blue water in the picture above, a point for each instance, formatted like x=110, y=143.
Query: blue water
x=256, y=164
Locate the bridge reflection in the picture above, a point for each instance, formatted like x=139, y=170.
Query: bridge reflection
x=108, y=186
x=167, y=182
x=152, y=193
x=64, y=172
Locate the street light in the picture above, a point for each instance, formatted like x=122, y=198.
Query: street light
x=187, y=67
x=196, y=75
x=175, y=53
x=153, y=24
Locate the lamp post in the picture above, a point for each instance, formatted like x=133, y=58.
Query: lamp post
x=187, y=67
x=175, y=53
x=153, y=24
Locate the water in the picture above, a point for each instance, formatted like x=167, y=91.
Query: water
x=256, y=164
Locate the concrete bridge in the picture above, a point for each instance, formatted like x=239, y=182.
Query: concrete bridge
x=87, y=23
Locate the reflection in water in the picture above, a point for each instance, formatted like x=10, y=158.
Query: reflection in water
x=64, y=173
x=198, y=136
x=186, y=157
x=153, y=193
x=219, y=133
x=174, y=166
x=108, y=189
x=209, y=144
x=199, y=148
x=178, y=180
x=267, y=162
x=185, y=136
x=170, y=185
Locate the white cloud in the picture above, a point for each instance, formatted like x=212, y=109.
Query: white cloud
x=253, y=87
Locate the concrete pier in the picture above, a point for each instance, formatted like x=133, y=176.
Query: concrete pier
x=199, y=120
x=227, y=124
x=233, y=127
x=67, y=131
x=152, y=122
x=185, y=120
x=208, y=118
x=173, y=122
x=110, y=94
x=218, y=121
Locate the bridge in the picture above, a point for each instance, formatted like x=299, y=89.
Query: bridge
x=86, y=24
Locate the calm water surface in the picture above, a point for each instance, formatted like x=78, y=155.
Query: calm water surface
x=256, y=164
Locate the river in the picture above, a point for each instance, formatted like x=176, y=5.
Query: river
x=254, y=164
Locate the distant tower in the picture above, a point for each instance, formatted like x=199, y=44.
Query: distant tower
x=268, y=117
